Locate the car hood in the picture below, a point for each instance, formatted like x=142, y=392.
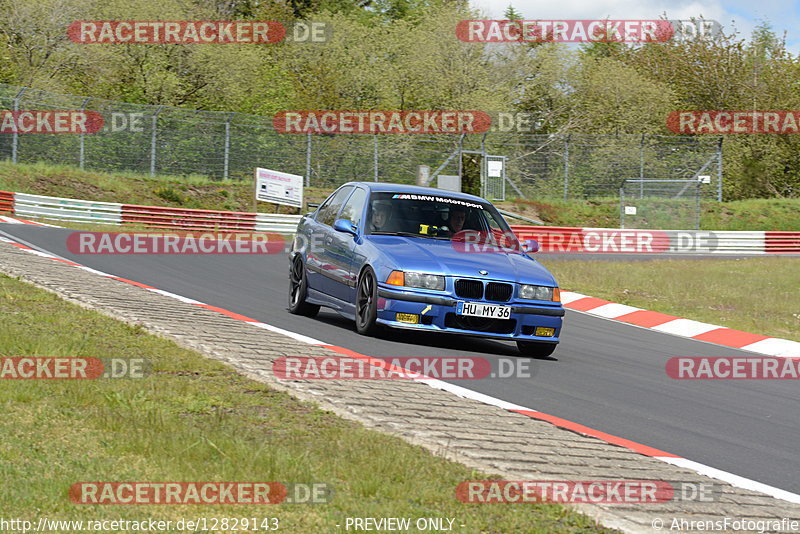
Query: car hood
x=439, y=256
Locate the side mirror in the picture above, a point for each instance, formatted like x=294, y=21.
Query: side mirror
x=530, y=245
x=346, y=226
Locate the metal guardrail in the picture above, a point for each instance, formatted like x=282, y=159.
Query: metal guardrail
x=550, y=238
x=74, y=210
x=66, y=209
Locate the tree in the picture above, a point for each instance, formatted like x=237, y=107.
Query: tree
x=512, y=14
x=36, y=39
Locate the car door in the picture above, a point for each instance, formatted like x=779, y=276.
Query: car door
x=318, y=260
x=341, y=246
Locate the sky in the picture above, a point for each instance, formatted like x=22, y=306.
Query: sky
x=742, y=15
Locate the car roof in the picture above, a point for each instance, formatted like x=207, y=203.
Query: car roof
x=384, y=187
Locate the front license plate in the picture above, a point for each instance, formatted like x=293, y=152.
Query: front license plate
x=478, y=309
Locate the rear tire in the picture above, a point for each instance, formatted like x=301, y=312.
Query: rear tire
x=534, y=349
x=298, y=290
x=367, y=304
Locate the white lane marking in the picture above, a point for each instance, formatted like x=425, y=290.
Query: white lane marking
x=685, y=327
x=42, y=254
x=10, y=220
x=773, y=346
x=733, y=480
x=293, y=335
x=470, y=394
x=93, y=271
x=613, y=310
x=173, y=295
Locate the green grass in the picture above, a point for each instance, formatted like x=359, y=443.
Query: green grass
x=758, y=295
x=193, y=419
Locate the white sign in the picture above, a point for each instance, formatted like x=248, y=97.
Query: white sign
x=630, y=210
x=494, y=168
x=279, y=187
x=704, y=179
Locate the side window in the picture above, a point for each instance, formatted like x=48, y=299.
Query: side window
x=354, y=208
x=327, y=212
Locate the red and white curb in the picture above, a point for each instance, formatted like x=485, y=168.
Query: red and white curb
x=12, y=220
x=574, y=300
x=669, y=324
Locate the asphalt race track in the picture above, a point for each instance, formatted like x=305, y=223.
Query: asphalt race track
x=605, y=375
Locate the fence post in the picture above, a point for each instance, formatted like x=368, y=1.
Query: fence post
x=308, y=159
x=153, y=138
x=566, y=166
x=622, y=207
x=15, y=135
x=697, y=206
x=484, y=173
x=461, y=159
x=225, y=163
x=375, y=154
x=82, y=156
x=719, y=170
x=641, y=168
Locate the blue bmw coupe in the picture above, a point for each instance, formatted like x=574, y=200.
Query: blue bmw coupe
x=418, y=258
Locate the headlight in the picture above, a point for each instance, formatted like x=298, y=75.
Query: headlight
x=538, y=293
x=420, y=280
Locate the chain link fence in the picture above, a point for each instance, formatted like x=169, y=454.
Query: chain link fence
x=175, y=141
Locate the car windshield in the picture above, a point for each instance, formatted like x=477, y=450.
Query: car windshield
x=437, y=216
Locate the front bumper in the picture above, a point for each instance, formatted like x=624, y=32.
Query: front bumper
x=438, y=314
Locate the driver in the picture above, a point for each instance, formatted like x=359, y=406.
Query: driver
x=455, y=219
x=381, y=215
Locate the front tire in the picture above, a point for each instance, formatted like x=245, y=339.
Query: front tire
x=533, y=349
x=298, y=290
x=367, y=303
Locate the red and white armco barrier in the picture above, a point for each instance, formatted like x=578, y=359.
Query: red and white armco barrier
x=7, y=201
x=616, y=241
x=70, y=209
x=191, y=219
x=66, y=209
x=550, y=238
